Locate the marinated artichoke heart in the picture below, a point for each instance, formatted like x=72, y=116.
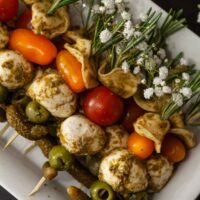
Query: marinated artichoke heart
x=154, y=104
x=4, y=36
x=117, y=138
x=122, y=171
x=123, y=84
x=15, y=70
x=187, y=136
x=50, y=91
x=159, y=170
x=150, y=125
x=81, y=136
x=176, y=120
x=81, y=51
x=29, y=2
x=49, y=26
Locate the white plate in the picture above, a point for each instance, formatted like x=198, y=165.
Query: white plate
x=19, y=173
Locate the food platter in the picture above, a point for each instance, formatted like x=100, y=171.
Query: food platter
x=19, y=172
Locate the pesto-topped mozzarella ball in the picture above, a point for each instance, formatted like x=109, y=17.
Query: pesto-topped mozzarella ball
x=51, y=91
x=4, y=36
x=15, y=70
x=117, y=138
x=125, y=173
x=81, y=136
x=50, y=26
x=159, y=170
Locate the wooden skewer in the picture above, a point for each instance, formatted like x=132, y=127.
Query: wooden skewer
x=11, y=140
x=38, y=186
x=4, y=129
x=29, y=148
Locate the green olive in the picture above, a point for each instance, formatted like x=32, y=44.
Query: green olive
x=60, y=158
x=37, y=113
x=93, y=163
x=20, y=97
x=2, y=115
x=101, y=191
x=48, y=172
x=3, y=94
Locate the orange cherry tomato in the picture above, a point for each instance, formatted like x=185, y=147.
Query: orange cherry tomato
x=140, y=146
x=173, y=149
x=70, y=69
x=35, y=48
x=24, y=20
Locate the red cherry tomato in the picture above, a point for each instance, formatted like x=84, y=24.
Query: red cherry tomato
x=24, y=20
x=8, y=9
x=173, y=148
x=131, y=112
x=102, y=106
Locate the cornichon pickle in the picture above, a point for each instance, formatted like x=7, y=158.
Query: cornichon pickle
x=24, y=128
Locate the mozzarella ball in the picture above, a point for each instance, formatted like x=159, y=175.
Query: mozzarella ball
x=4, y=36
x=30, y=1
x=51, y=91
x=125, y=173
x=117, y=138
x=49, y=26
x=81, y=136
x=159, y=170
x=15, y=70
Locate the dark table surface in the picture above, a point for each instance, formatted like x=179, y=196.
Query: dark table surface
x=190, y=12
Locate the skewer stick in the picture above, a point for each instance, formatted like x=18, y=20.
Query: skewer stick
x=10, y=141
x=4, y=129
x=29, y=148
x=38, y=186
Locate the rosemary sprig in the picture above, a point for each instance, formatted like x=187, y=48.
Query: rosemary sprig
x=192, y=114
x=58, y=4
x=172, y=23
x=172, y=107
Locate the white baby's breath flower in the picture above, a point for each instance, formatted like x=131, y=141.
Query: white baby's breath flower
x=143, y=17
x=185, y=76
x=136, y=70
x=157, y=60
x=157, y=81
x=158, y=91
x=118, y=49
x=140, y=61
x=162, y=53
x=102, y=9
x=177, y=80
x=163, y=72
x=137, y=33
x=128, y=30
x=118, y=1
x=142, y=46
x=108, y=3
x=126, y=15
x=95, y=9
x=186, y=91
x=166, y=60
x=163, y=83
x=178, y=99
x=167, y=89
x=105, y=36
x=183, y=61
x=143, y=81
x=148, y=93
x=125, y=67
